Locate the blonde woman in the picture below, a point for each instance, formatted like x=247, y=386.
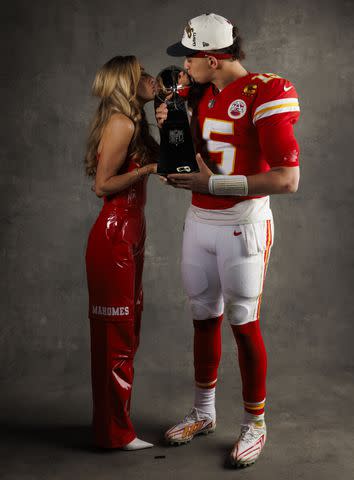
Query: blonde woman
x=121, y=154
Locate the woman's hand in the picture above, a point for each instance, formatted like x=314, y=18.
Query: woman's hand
x=148, y=169
x=152, y=167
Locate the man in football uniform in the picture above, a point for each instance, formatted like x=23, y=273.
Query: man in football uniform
x=246, y=121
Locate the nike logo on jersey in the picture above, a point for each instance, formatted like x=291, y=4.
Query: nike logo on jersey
x=286, y=89
x=236, y=234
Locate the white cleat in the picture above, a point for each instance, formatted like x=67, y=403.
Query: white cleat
x=249, y=445
x=195, y=423
x=137, y=444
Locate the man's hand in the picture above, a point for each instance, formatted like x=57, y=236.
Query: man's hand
x=162, y=111
x=161, y=114
x=197, y=182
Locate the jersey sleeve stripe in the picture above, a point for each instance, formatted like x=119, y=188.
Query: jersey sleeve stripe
x=267, y=112
x=273, y=103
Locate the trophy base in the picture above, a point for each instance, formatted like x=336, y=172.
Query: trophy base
x=185, y=168
x=177, y=153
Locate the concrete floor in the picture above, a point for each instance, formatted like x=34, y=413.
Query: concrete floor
x=45, y=432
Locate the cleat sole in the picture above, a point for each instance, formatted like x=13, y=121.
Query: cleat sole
x=236, y=464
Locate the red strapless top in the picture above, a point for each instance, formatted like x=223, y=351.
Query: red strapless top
x=133, y=196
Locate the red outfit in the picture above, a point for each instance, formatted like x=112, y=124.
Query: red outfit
x=114, y=266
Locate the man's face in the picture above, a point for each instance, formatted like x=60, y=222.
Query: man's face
x=199, y=69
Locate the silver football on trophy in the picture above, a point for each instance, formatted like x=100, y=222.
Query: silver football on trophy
x=171, y=85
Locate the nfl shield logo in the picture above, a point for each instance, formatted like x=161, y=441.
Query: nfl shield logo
x=211, y=103
x=176, y=137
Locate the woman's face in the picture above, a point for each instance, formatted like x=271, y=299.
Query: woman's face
x=146, y=87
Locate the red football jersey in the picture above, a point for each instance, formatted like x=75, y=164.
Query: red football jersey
x=238, y=125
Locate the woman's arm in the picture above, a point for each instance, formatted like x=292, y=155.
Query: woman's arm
x=113, y=151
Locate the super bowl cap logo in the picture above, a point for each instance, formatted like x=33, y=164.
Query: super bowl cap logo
x=189, y=30
x=237, y=109
x=250, y=89
x=176, y=137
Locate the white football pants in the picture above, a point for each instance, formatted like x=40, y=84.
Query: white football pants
x=225, y=265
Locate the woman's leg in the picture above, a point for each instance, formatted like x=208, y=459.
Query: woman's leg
x=115, y=319
x=112, y=354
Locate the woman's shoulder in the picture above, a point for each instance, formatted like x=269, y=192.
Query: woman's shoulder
x=118, y=131
x=121, y=122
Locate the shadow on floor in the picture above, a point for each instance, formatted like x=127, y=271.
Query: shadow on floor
x=73, y=437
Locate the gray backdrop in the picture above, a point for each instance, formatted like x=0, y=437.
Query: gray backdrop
x=52, y=51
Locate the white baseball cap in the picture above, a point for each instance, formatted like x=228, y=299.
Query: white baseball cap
x=204, y=33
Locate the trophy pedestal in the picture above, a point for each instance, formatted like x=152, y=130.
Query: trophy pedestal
x=176, y=146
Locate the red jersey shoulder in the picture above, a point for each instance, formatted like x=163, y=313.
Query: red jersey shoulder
x=274, y=95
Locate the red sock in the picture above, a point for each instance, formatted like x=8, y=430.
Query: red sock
x=207, y=351
x=252, y=359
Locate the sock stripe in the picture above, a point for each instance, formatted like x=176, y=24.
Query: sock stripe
x=206, y=384
x=255, y=408
x=254, y=404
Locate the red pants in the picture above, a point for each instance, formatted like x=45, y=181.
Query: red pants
x=114, y=265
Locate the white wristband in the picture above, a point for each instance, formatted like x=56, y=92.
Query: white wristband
x=228, y=185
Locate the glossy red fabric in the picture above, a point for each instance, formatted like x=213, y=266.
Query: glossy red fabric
x=114, y=266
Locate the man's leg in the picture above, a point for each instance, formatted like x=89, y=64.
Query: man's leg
x=202, y=285
x=242, y=265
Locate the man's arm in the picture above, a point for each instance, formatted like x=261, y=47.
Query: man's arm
x=280, y=149
x=276, y=180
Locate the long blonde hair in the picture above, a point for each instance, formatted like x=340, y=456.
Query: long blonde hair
x=116, y=84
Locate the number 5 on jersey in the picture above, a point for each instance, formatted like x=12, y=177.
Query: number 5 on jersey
x=227, y=150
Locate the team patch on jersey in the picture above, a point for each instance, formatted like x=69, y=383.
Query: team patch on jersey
x=237, y=109
x=250, y=89
x=211, y=103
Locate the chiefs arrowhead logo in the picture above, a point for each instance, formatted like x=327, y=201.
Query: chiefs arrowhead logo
x=237, y=109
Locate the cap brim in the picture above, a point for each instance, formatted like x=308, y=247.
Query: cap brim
x=179, y=50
